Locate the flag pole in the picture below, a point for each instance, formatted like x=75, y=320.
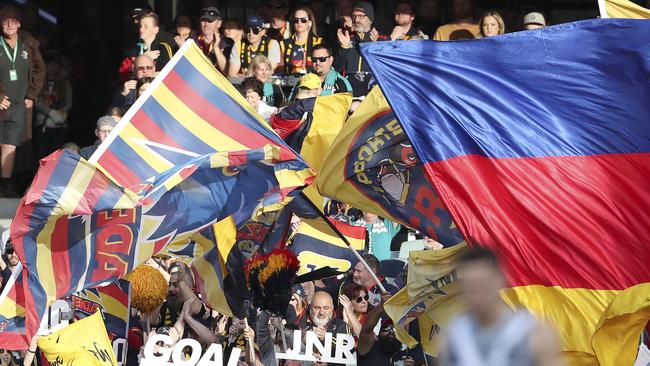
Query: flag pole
x=602, y=8
x=345, y=240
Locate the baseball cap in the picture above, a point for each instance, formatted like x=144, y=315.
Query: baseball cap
x=106, y=121
x=310, y=81
x=404, y=8
x=210, y=14
x=534, y=18
x=9, y=11
x=255, y=21
x=141, y=8
x=365, y=8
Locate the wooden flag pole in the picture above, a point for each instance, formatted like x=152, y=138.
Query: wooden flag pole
x=345, y=240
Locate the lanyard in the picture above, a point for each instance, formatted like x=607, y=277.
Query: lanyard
x=12, y=59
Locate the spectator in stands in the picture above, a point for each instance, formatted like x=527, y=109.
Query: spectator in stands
x=464, y=25
x=9, y=259
x=256, y=43
x=373, y=349
x=183, y=28
x=321, y=316
x=381, y=231
x=331, y=80
x=479, y=332
x=405, y=28
x=261, y=69
x=308, y=87
x=181, y=291
x=6, y=358
x=22, y=73
x=534, y=20
x=142, y=85
x=299, y=305
x=105, y=125
x=151, y=45
x=361, y=277
x=278, y=11
x=351, y=62
x=428, y=16
x=491, y=24
x=51, y=108
x=354, y=306
x=233, y=30
x=213, y=44
x=253, y=90
x=115, y=112
x=296, y=50
x=143, y=66
x=71, y=146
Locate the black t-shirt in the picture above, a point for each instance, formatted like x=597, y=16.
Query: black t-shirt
x=376, y=357
x=16, y=89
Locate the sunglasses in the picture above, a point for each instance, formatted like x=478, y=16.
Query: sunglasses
x=10, y=251
x=142, y=68
x=300, y=20
x=361, y=298
x=255, y=30
x=320, y=59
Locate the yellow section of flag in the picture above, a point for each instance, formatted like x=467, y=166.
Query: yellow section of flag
x=81, y=343
x=430, y=296
x=625, y=9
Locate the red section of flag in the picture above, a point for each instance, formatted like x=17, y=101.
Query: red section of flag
x=554, y=220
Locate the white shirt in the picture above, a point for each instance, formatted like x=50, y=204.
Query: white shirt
x=265, y=110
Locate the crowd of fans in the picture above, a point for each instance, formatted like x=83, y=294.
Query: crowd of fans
x=256, y=53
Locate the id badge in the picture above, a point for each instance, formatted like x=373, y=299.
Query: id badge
x=13, y=75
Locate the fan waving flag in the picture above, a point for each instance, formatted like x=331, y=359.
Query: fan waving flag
x=189, y=153
x=541, y=151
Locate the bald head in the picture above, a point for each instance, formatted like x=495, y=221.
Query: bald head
x=322, y=308
x=144, y=66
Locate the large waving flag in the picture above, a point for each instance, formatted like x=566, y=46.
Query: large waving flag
x=206, y=157
x=622, y=9
x=542, y=151
x=372, y=166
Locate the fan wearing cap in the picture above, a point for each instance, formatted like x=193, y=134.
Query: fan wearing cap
x=351, y=62
x=464, y=25
x=212, y=42
x=9, y=259
x=105, y=125
x=534, y=20
x=405, y=28
x=277, y=11
x=255, y=43
x=22, y=73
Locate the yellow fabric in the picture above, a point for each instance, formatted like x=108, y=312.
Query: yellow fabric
x=431, y=296
x=454, y=32
x=626, y=9
x=596, y=327
x=81, y=343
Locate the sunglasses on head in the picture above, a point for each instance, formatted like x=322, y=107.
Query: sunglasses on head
x=320, y=59
x=361, y=298
x=303, y=20
x=142, y=68
x=255, y=30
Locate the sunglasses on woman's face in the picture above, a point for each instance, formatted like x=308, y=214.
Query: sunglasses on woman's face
x=360, y=299
x=254, y=30
x=300, y=20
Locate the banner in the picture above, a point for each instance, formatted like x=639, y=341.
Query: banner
x=541, y=152
x=206, y=157
x=372, y=166
x=430, y=297
x=81, y=343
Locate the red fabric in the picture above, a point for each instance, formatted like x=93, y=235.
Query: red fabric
x=126, y=68
x=284, y=127
x=515, y=206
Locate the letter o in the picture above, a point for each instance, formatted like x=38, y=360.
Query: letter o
x=151, y=343
x=178, y=352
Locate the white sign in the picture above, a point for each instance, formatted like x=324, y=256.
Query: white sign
x=157, y=355
x=342, y=352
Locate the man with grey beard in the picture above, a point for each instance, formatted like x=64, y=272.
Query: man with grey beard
x=321, y=317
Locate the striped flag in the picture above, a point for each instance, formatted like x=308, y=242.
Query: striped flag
x=542, y=152
x=12, y=312
x=189, y=153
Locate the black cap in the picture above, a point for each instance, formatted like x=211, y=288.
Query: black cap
x=210, y=14
x=140, y=9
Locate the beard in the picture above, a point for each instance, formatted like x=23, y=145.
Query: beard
x=175, y=303
x=320, y=322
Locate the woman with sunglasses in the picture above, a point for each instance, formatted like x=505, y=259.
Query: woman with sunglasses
x=296, y=50
x=6, y=359
x=354, y=306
